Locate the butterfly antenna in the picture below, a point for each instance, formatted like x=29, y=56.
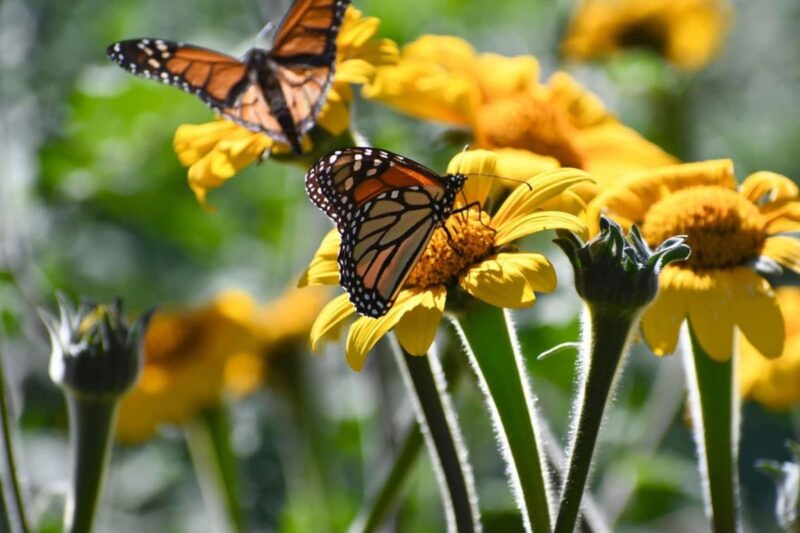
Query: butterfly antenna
x=516, y=180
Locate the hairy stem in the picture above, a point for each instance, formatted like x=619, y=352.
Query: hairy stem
x=11, y=482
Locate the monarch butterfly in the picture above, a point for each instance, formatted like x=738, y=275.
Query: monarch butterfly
x=279, y=91
x=386, y=208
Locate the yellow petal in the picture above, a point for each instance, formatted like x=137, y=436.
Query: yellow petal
x=416, y=329
x=324, y=268
x=329, y=323
x=503, y=77
x=522, y=164
x=527, y=198
x=335, y=115
x=479, y=166
x=784, y=250
x=757, y=313
x=521, y=226
x=193, y=141
x=366, y=332
x=509, y=279
x=782, y=216
x=711, y=313
x=662, y=321
x=768, y=187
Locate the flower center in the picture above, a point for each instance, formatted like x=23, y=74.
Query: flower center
x=724, y=229
x=444, y=260
x=649, y=34
x=528, y=123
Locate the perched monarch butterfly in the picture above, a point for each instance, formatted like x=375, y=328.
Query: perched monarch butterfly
x=279, y=91
x=386, y=208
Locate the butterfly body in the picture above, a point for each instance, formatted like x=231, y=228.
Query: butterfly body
x=279, y=91
x=386, y=208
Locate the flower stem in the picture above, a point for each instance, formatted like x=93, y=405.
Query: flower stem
x=714, y=407
x=500, y=369
x=215, y=463
x=372, y=517
x=10, y=468
x=607, y=343
x=435, y=415
x=91, y=427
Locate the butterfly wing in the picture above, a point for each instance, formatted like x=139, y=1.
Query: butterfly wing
x=304, y=58
x=218, y=79
x=386, y=208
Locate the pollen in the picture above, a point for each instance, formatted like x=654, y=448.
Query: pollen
x=445, y=258
x=723, y=228
x=528, y=123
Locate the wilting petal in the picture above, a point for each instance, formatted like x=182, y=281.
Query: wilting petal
x=509, y=279
x=661, y=323
x=782, y=216
x=521, y=226
x=329, y=323
x=784, y=250
x=767, y=187
x=757, y=313
x=366, y=332
x=527, y=198
x=416, y=330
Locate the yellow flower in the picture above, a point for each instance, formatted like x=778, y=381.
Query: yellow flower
x=728, y=229
x=558, y=123
x=688, y=33
x=216, y=151
x=774, y=383
x=194, y=357
x=487, y=265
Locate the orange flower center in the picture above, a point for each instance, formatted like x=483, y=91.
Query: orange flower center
x=444, y=259
x=527, y=123
x=724, y=229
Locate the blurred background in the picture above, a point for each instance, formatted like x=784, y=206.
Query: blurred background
x=93, y=201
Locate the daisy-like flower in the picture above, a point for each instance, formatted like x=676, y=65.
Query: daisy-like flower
x=481, y=260
x=216, y=151
x=774, y=383
x=192, y=358
x=733, y=231
x=687, y=33
x=540, y=125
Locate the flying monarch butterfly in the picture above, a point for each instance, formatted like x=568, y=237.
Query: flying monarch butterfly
x=279, y=91
x=386, y=208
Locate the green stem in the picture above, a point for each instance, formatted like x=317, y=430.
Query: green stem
x=215, y=463
x=218, y=426
x=435, y=415
x=714, y=407
x=91, y=427
x=10, y=466
x=375, y=513
x=498, y=364
x=608, y=340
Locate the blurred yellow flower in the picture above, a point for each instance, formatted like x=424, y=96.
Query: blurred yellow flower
x=687, y=33
x=216, y=151
x=193, y=357
x=774, y=383
x=558, y=123
x=729, y=228
x=486, y=264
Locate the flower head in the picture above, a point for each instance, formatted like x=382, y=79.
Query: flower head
x=478, y=257
x=617, y=273
x=193, y=357
x=544, y=125
x=733, y=231
x=687, y=33
x=774, y=383
x=216, y=151
x=95, y=353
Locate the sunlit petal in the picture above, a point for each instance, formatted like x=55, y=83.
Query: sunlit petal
x=329, y=323
x=416, y=329
x=509, y=279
